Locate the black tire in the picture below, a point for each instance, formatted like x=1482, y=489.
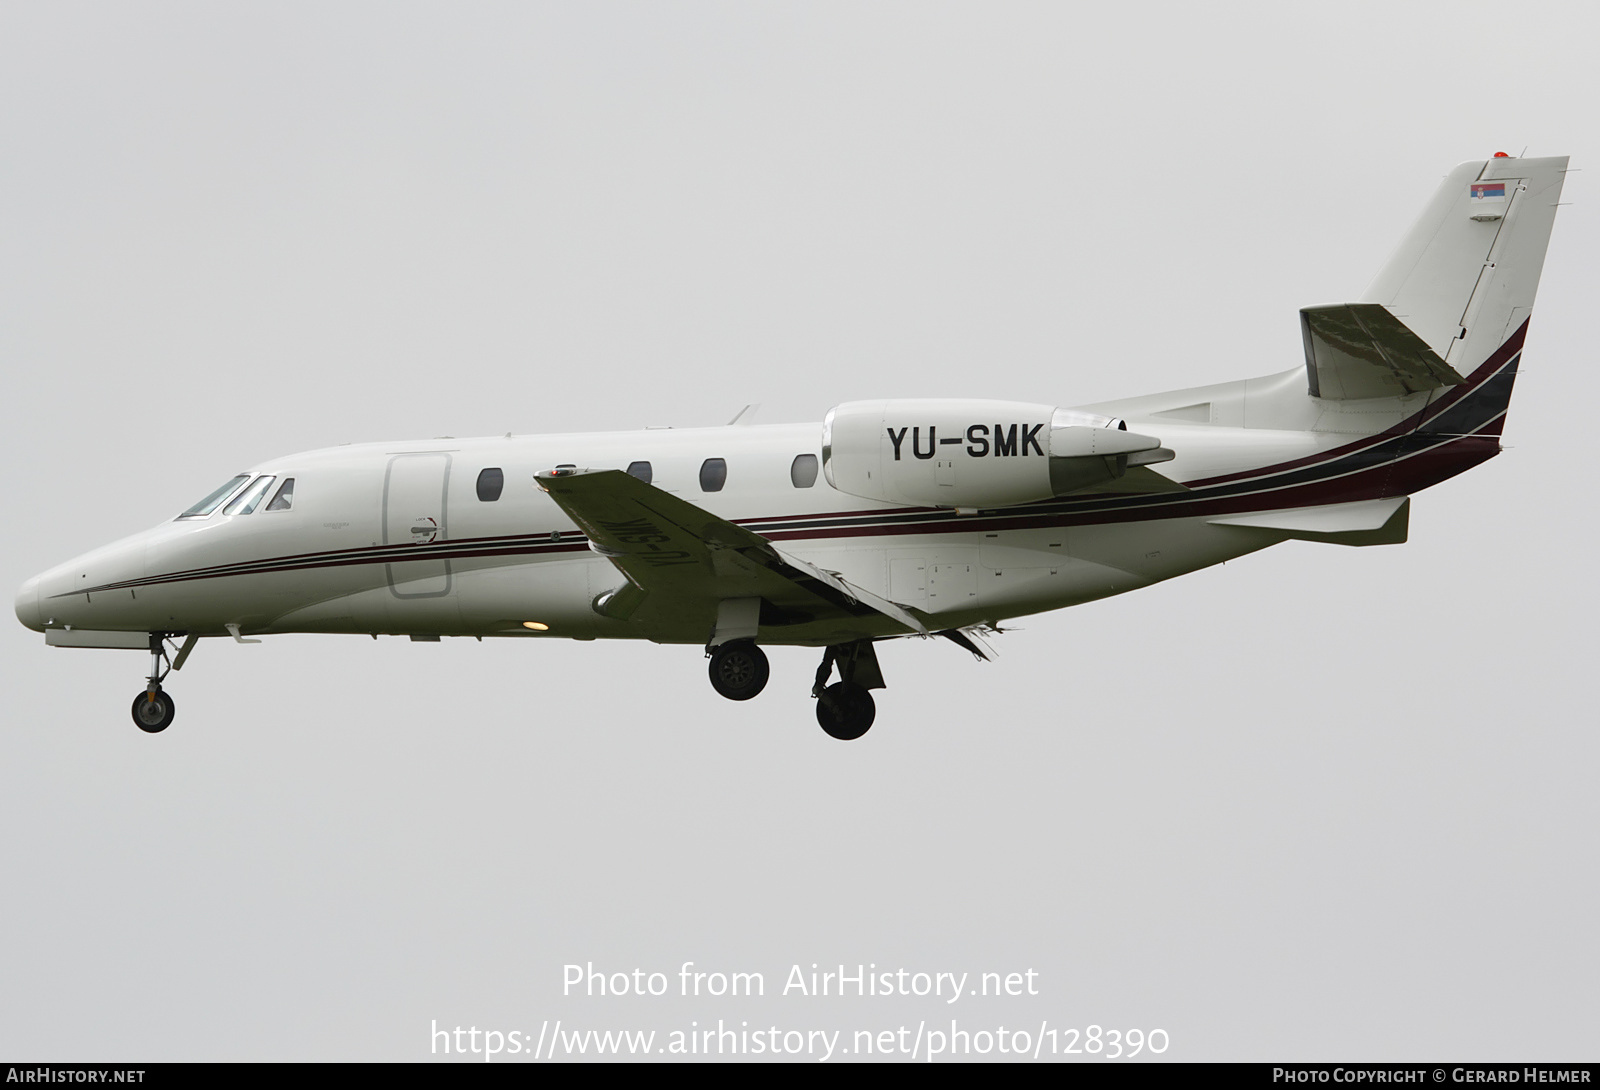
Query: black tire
x=153, y=716
x=739, y=670
x=846, y=711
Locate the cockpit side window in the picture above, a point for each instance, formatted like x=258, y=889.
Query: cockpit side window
x=285, y=497
x=209, y=504
x=246, y=501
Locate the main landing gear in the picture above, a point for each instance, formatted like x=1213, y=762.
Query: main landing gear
x=739, y=669
x=153, y=709
x=845, y=709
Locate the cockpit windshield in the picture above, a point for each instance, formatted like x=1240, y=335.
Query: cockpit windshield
x=284, y=500
x=210, y=503
x=245, y=502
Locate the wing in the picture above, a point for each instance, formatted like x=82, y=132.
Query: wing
x=693, y=576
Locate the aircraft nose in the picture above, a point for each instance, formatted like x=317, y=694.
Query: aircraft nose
x=27, y=605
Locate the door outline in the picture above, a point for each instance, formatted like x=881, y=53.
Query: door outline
x=444, y=527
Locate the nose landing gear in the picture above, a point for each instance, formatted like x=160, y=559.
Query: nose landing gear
x=153, y=709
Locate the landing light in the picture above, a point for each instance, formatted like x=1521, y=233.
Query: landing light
x=536, y=626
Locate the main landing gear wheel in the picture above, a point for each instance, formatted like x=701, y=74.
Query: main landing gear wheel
x=153, y=712
x=846, y=710
x=739, y=670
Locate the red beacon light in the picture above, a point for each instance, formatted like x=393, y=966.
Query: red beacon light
x=1501, y=155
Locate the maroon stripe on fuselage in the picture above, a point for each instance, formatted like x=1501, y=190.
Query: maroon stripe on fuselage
x=1497, y=359
x=1409, y=474
x=1400, y=475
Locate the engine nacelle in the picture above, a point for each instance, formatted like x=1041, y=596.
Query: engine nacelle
x=935, y=452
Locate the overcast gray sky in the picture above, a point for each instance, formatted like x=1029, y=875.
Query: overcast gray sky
x=1319, y=803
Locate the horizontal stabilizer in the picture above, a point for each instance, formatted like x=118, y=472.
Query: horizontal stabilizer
x=1365, y=522
x=1356, y=350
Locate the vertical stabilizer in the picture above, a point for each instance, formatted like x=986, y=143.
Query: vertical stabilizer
x=1464, y=278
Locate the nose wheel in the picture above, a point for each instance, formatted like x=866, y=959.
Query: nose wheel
x=153, y=711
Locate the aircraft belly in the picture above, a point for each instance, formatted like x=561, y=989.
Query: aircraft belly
x=908, y=579
x=1016, y=573
x=1125, y=556
x=951, y=575
x=483, y=600
x=357, y=611
x=108, y=609
x=430, y=612
x=255, y=602
x=864, y=565
x=558, y=593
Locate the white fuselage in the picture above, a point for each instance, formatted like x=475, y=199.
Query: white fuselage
x=345, y=558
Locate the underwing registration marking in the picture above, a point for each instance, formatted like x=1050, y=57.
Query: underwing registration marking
x=642, y=531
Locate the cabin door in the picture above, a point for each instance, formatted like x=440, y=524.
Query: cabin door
x=414, y=497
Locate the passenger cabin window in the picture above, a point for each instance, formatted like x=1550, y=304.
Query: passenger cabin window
x=209, y=504
x=713, y=474
x=285, y=497
x=640, y=470
x=491, y=482
x=803, y=470
x=246, y=501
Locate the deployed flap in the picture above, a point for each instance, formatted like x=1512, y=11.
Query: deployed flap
x=849, y=592
x=1364, y=522
x=1361, y=350
x=667, y=546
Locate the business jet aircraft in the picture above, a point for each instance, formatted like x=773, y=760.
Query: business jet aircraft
x=891, y=518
